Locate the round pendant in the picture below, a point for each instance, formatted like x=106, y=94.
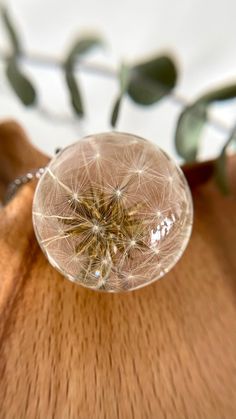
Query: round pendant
x=112, y=212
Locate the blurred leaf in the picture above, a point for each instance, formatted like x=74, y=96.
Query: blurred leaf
x=152, y=80
x=11, y=30
x=124, y=80
x=81, y=47
x=221, y=166
x=192, y=121
x=75, y=96
x=20, y=83
x=189, y=128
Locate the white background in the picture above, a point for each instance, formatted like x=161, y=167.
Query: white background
x=201, y=34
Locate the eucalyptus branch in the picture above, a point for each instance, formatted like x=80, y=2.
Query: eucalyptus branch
x=97, y=69
x=44, y=61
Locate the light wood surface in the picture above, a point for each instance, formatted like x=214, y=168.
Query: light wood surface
x=167, y=351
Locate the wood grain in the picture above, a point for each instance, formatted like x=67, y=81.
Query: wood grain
x=167, y=351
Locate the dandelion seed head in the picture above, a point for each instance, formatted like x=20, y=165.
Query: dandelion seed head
x=112, y=212
x=139, y=171
x=156, y=250
x=118, y=193
x=75, y=196
x=96, y=228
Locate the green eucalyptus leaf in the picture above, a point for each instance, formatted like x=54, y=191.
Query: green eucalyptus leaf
x=193, y=118
x=124, y=80
x=21, y=85
x=189, y=128
x=12, y=33
x=221, y=166
x=152, y=80
x=81, y=47
x=75, y=96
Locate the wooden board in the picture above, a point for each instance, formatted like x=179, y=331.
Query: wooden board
x=167, y=351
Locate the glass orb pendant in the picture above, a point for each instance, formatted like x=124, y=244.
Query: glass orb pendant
x=112, y=212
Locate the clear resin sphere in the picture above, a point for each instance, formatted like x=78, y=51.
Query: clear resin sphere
x=112, y=212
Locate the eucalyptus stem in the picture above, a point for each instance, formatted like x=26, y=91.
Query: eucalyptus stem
x=54, y=62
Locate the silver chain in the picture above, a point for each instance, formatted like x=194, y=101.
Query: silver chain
x=22, y=180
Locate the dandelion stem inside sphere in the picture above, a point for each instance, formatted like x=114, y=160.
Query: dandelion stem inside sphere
x=112, y=212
